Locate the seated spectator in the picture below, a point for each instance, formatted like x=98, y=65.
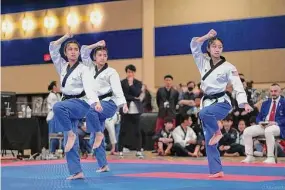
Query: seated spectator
x=227, y=143
x=237, y=149
x=164, y=138
x=271, y=123
x=200, y=149
x=258, y=147
x=184, y=138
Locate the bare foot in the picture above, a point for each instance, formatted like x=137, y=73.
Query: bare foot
x=70, y=142
x=195, y=154
x=103, y=169
x=160, y=152
x=167, y=153
x=216, y=138
x=76, y=176
x=236, y=154
x=98, y=140
x=113, y=152
x=217, y=175
x=190, y=154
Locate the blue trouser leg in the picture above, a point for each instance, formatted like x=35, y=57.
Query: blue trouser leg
x=100, y=152
x=94, y=119
x=67, y=114
x=72, y=157
x=91, y=142
x=209, y=116
x=95, y=123
x=68, y=110
x=53, y=142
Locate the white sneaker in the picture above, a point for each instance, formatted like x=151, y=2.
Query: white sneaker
x=121, y=155
x=139, y=155
x=248, y=159
x=269, y=160
x=126, y=150
x=258, y=154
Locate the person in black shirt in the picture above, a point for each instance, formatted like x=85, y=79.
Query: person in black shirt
x=164, y=138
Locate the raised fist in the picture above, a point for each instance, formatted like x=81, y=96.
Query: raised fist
x=68, y=35
x=212, y=33
x=101, y=43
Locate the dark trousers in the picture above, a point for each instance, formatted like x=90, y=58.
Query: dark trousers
x=130, y=133
x=159, y=125
x=84, y=145
x=236, y=148
x=183, y=151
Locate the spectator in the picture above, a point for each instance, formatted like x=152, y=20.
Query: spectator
x=132, y=89
x=164, y=138
x=145, y=98
x=186, y=103
x=167, y=99
x=271, y=123
x=227, y=143
x=185, y=139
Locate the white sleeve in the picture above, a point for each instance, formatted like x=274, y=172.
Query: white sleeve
x=199, y=57
x=52, y=98
x=193, y=135
x=57, y=60
x=234, y=79
x=85, y=55
x=49, y=102
x=117, y=88
x=90, y=86
x=178, y=138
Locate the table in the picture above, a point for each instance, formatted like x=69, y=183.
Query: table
x=32, y=133
x=24, y=133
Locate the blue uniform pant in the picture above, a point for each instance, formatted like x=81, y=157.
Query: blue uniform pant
x=98, y=119
x=209, y=116
x=67, y=114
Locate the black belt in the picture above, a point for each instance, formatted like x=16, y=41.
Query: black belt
x=213, y=96
x=66, y=97
x=109, y=94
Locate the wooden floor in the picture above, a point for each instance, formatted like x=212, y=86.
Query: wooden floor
x=153, y=156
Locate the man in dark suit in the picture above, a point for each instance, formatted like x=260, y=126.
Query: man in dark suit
x=130, y=134
x=166, y=99
x=271, y=123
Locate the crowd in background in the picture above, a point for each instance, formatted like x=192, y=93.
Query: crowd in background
x=178, y=130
